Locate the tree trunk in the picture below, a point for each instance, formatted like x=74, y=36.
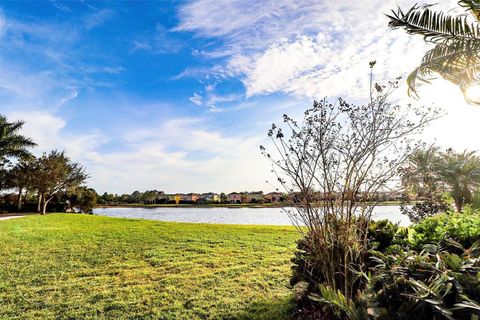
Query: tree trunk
x=39, y=203
x=44, y=206
x=459, y=203
x=19, y=203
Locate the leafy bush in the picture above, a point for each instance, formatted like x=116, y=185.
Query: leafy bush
x=424, y=275
x=463, y=227
x=306, y=268
x=384, y=235
x=434, y=283
x=421, y=210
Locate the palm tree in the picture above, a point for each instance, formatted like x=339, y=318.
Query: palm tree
x=437, y=26
x=456, y=55
x=461, y=172
x=420, y=177
x=12, y=144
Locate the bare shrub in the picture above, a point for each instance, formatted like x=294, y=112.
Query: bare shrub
x=334, y=163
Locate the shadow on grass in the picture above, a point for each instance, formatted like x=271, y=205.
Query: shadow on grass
x=279, y=309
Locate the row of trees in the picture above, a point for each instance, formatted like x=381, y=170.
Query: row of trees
x=432, y=175
x=44, y=177
x=145, y=197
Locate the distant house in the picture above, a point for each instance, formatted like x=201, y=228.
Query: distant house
x=254, y=197
x=273, y=197
x=395, y=196
x=210, y=197
x=235, y=197
x=176, y=197
x=191, y=197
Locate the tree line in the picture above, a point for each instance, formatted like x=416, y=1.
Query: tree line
x=51, y=177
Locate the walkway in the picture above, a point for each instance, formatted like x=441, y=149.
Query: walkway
x=10, y=217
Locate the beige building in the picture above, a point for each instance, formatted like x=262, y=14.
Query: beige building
x=210, y=197
x=273, y=197
x=235, y=197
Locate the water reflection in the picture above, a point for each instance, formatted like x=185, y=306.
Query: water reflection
x=264, y=216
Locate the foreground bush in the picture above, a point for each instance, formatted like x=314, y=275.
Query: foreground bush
x=403, y=279
x=435, y=283
x=463, y=227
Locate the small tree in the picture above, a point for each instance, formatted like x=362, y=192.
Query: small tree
x=460, y=172
x=333, y=161
x=420, y=177
x=54, y=173
x=82, y=198
x=223, y=198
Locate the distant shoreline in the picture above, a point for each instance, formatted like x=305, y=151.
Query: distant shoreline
x=220, y=205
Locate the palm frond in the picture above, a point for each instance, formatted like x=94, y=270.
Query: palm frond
x=471, y=5
x=12, y=144
x=434, y=26
x=457, y=62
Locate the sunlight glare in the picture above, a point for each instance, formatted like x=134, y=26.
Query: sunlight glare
x=472, y=93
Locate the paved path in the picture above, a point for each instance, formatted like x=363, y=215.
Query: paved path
x=10, y=217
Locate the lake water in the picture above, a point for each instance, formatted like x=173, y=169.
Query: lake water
x=267, y=216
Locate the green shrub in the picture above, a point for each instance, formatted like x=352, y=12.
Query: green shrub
x=463, y=227
x=384, y=235
x=433, y=284
x=424, y=275
x=381, y=235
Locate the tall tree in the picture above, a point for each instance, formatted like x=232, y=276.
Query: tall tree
x=461, y=172
x=54, y=173
x=20, y=177
x=12, y=144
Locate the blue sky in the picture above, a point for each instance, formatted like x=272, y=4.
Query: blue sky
x=177, y=96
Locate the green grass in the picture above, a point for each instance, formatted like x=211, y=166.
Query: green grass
x=89, y=267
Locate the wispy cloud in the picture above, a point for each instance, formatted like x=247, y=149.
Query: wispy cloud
x=157, y=41
x=60, y=6
x=308, y=48
x=97, y=18
x=182, y=151
x=196, y=99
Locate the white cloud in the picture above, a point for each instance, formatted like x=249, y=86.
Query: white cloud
x=196, y=99
x=181, y=155
x=308, y=48
x=49, y=132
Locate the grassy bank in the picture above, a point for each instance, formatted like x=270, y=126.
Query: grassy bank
x=78, y=266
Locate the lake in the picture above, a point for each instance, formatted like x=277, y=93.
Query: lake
x=266, y=216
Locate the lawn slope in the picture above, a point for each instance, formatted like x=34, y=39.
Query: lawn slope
x=82, y=267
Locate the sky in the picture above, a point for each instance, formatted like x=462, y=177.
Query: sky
x=177, y=96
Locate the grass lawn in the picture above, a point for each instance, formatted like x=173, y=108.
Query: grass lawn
x=64, y=266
